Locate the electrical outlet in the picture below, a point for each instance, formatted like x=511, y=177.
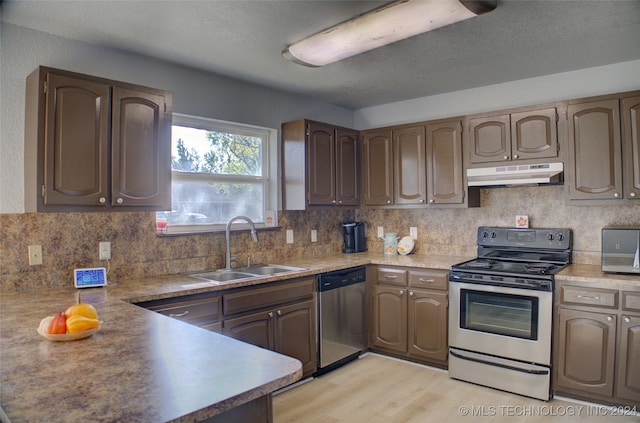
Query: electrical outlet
x=104, y=250
x=289, y=236
x=314, y=235
x=380, y=232
x=35, y=254
x=413, y=232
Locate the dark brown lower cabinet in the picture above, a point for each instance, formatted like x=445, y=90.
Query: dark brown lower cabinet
x=628, y=383
x=408, y=320
x=428, y=324
x=587, y=345
x=289, y=328
x=597, y=353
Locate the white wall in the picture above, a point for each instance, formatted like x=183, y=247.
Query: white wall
x=194, y=92
x=608, y=79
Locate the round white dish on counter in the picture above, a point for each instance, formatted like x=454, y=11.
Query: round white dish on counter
x=405, y=246
x=64, y=336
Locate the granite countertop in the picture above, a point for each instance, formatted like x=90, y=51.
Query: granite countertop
x=140, y=367
x=143, y=366
x=593, y=275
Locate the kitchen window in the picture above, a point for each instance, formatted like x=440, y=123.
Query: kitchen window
x=219, y=170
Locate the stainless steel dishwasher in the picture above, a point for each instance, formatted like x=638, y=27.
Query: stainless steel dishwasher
x=341, y=327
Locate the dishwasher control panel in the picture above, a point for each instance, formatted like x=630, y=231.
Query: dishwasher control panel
x=340, y=278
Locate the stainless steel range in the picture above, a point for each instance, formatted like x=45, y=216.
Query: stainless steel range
x=501, y=308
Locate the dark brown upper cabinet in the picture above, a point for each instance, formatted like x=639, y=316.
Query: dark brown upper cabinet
x=95, y=144
x=445, y=169
x=416, y=164
x=526, y=134
x=409, y=176
x=631, y=146
x=320, y=165
x=377, y=159
x=604, y=149
x=595, y=150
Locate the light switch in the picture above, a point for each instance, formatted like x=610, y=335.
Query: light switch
x=314, y=235
x=413, y=232
x=289, y=236
x=380, y=231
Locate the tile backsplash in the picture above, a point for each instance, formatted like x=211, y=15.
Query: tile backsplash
x=70, y=240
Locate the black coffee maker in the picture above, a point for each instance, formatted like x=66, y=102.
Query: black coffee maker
x=355, y=238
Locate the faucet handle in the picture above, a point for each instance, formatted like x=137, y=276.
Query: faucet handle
x=233, y=259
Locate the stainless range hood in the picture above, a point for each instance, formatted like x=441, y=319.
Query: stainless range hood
x=530, y=174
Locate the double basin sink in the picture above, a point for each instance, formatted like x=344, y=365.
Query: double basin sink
x=252, y=272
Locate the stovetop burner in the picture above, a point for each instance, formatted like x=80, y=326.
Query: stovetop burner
x=540, y=268
x=480, y=264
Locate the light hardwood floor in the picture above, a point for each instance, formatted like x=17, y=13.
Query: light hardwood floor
x=376, y=389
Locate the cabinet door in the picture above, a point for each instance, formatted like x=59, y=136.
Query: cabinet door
x=390, y=318
x=534, y=134
x=586, y=351
x=255, y=328
x=377, y=178
x=595, y=159
x=489, y=139
x=141, y=150
x=409, y=165
x=76, y=141
x=445, y=184
x=428, y=324
x=631, y=124
x=295, y=333
x=347, y=168
x=321, y=165
x=628, y=375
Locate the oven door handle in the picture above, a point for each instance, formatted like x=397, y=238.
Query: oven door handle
x=504, y=366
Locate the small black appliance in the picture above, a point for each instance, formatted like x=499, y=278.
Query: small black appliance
x=355, y=238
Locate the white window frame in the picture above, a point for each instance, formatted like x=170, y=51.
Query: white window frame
x=270, y=176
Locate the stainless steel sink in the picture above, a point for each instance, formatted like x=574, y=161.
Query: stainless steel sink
x=269, y=269
x=255, y=271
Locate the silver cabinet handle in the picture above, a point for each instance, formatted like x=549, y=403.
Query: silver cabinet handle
x=270, y=314
x=119, y=201
x=515, y=156
x=588, y=297
x=391, y=276
x=422, y=200
x=179, y=314
x=279, y=312
x=432, y=201
x=616, y=195
x=427, y=280
x=632, y=194
x=388, y=201
x=506, y=157
x=609, y=318
x=411, y=293
x=102, y=200
x=401, y=292
x=627, y=320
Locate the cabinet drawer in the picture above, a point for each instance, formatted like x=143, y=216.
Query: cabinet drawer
x=392, y=276
x=191, y=309
x=434, y=279
x=596, y=297
x=631, y=301
x=249, y=299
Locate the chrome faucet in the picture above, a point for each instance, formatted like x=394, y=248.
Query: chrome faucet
x=254, y=236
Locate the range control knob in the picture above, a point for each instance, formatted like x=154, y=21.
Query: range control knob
x=485, y=234
x=560, y=237
x=550, y=237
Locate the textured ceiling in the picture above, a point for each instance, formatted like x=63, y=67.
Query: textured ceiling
x=243, y=39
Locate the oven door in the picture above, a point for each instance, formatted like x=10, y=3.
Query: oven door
x=501, y=321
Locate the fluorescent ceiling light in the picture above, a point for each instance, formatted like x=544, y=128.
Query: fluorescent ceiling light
x=385, y=25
